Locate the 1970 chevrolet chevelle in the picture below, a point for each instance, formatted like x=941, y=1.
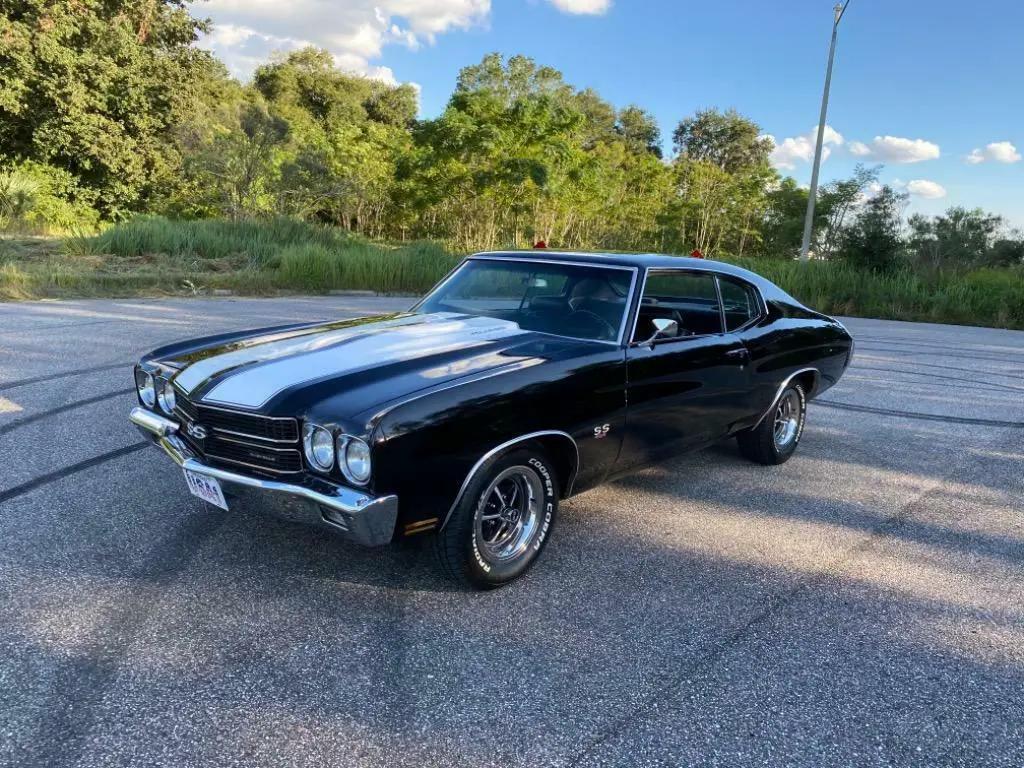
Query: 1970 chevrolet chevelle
x=521, y=379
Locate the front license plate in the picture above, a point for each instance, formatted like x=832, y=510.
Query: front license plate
x=206, y=488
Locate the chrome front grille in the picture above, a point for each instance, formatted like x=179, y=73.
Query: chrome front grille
x=262, y=457
x=268, y=445
x=239, y=424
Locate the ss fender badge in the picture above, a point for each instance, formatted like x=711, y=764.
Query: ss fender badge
x=602, y=432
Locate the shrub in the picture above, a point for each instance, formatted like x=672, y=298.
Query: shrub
x=41, y=199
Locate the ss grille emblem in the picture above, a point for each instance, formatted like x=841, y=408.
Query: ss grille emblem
x=198, y=431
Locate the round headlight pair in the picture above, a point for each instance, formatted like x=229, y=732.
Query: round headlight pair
x=351, y=453
x=155, y=390
x=354, y=459
x=147, y=388
x=166, y=397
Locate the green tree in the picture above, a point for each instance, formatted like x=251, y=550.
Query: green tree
x=873, y=240
x=783, y=226
x=1006, y=252
x=234, y=163
x=725, y=139
x=347, y=134
x=639, y=131
x=959, y=239
x=93, y=88
x=838, y=201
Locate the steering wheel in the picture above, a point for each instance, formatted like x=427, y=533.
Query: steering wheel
x=608, y=331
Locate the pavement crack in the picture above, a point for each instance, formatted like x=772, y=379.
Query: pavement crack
x=977, y=382
x=774, y=605
x=63, y=375
x=920, y=416
x=24, y=422
x=49, y=477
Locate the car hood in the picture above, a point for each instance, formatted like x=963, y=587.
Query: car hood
x=370, y=360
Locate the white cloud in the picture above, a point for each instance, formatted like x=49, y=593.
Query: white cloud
x=859, y=149
x=894, y=149
x=354, y=31
x=976, y=156
x=929, y=190
x=801, y=148
x=997, y=152
x=582, y=6
x=1003, y=152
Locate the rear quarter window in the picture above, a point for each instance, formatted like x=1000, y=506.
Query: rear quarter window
x=740, y=301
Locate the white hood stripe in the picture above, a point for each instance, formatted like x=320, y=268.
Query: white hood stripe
x=253, y=386
x=272, y=347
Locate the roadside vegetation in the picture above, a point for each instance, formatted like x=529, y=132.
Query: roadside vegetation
x=154, y=256
x=132, y=163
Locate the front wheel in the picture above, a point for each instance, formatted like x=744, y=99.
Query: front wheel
x=775, y=439
x=502, y=522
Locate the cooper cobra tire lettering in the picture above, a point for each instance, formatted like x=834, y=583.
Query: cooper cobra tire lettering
x=548, y=485
x=544, y=530
x=479, y=558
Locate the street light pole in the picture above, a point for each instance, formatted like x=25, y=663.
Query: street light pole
x=805, y=247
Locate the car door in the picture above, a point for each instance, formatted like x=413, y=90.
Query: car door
x=685, y=391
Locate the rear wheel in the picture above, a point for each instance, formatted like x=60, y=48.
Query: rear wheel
x=502, y=523
x=775, y=439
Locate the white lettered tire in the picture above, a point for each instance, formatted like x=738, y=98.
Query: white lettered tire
x=503, y=521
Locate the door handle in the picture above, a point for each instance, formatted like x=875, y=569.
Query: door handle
x=741, y=352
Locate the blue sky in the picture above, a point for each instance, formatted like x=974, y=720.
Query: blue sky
x=929, y=82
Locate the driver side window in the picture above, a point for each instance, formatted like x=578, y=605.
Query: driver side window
x=689, y=298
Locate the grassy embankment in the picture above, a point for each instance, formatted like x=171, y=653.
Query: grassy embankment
x=153, y=256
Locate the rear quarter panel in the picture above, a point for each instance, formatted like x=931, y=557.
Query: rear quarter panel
x=790, y=338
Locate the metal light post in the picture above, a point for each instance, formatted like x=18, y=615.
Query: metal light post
x=840, y=9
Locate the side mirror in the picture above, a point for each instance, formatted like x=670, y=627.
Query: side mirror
x=663, y=329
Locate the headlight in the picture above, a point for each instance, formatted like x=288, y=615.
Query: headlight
x=147, y=390
x=354, y=459
x=167, y=398
x=319, y=447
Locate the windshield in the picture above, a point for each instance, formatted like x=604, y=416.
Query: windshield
x=584, y=302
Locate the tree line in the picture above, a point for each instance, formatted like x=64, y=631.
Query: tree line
x=109, y=109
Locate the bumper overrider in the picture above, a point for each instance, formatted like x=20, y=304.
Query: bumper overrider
x=367, y=520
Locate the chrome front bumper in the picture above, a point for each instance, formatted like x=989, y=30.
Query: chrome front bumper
x=368, y=520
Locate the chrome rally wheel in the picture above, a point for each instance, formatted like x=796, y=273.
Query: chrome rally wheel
x=504, y=519
x=777, y=435
x=788, y=415
x=509, y=512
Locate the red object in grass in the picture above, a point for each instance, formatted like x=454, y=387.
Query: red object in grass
x=540, y=244
x=697, y=254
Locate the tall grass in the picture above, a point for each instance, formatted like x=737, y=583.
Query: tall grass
x=257, y=241
x=152, y=255
x=990, y=297
x=364, y=266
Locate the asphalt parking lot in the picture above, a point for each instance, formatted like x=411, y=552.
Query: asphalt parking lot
x=861, y=605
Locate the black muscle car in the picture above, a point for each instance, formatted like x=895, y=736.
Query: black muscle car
x=520, y=380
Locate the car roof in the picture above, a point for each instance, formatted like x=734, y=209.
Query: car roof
x=637, y=260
